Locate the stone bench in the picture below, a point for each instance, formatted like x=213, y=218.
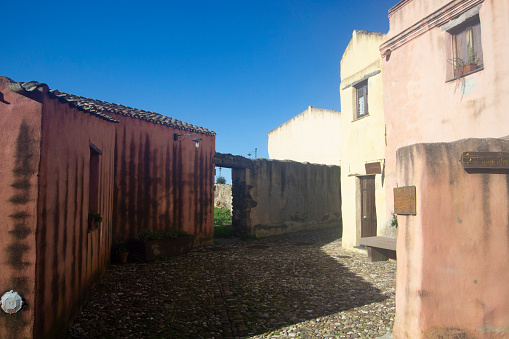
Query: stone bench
x=379, y=248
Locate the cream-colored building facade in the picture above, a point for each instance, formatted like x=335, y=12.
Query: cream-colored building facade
x=362, y=140
x=312, y=136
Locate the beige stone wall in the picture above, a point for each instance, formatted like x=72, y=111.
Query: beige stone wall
x=277, y=197
x=362, y=140
x=312, y=136
x=223, y=196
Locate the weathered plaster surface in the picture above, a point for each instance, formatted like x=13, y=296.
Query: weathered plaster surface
x=362, y=140
x=161, y=183
x=312, y=136
x=70, y=260
x=277, y=197
x=452, y=255
x=420, y=104
x=146, y=179
x=19, y=166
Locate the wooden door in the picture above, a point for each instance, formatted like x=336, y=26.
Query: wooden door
x=368, y=210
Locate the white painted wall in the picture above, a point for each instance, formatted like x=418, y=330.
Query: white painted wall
x=313, y=136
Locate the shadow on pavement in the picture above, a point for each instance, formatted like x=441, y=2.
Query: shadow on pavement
x=233, y=290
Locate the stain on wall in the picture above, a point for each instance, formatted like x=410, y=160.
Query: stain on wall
x=276, y=197
x=452, y=276
x=19, y=162
x=161, y=183
x=146, y=180
x=70, y=258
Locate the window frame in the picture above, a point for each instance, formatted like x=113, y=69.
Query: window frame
x=361, y=87
x=466, y=47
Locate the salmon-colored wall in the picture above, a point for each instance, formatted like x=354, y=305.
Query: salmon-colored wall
x=453, y=265
x=147, y=180
x=20, y=137
x=70, y=259
x=420, y=104
x=160, y=183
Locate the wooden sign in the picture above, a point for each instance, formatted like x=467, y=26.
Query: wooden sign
x=404, y=200
x=485, y=160
x=373, y=168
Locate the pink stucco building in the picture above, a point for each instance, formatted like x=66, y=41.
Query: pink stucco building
x=445, y=79
x=63, y=156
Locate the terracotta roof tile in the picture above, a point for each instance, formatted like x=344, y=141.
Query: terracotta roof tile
x=101, y=108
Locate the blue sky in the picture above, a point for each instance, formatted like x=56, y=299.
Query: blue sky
x=239, y=68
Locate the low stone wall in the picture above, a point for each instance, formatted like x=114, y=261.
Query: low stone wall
x=276, y=197
x=452, y=254
x=223, y=196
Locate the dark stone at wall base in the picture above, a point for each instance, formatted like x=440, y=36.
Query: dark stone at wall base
x=142, y=251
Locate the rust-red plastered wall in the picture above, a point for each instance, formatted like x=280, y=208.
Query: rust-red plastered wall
x=20, y=121
x=70, y=259
x=160, y=183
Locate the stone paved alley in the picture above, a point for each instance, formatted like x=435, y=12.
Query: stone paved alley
x=302, y=285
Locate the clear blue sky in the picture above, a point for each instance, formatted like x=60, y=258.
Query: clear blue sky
x=239, y=68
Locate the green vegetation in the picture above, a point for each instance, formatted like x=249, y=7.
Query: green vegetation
x=155, y=235
x=222, y=216
x=220, y=180
x=95, y=217
x=222, y=223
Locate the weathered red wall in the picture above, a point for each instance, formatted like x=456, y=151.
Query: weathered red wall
x=70, y=259
x=453, y=266
x=20, y=121
x=147, y=180
x=161, y=183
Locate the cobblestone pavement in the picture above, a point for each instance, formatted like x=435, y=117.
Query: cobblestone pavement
x=302, y=285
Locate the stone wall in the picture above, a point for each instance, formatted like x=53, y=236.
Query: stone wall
x=277, y=197
x=223, y=196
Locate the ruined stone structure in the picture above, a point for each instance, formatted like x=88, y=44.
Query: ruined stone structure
x=223, y=196
x=272, y=197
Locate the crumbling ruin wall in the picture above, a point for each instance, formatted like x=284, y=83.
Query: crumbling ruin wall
x=276, y=197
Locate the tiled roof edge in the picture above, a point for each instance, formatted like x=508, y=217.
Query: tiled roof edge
x=99, y=108
x=108, y=107
x=89, y=109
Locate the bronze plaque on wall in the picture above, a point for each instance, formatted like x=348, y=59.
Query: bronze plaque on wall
x=485, y=160
x=404, y=200
x=373, y=168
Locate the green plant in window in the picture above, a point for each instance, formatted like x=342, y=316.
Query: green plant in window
x=94, y=219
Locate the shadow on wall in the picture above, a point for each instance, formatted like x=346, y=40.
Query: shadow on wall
x=253, y=288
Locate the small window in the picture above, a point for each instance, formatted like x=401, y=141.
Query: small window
x=93, y=189
x=362, y=99
x=467, y=47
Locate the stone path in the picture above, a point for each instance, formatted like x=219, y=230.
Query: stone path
x=302, y=285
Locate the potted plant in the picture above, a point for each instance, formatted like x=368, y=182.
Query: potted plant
x=462, y=67
x=94, y=219
x=472, y=62
x=121, y=254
